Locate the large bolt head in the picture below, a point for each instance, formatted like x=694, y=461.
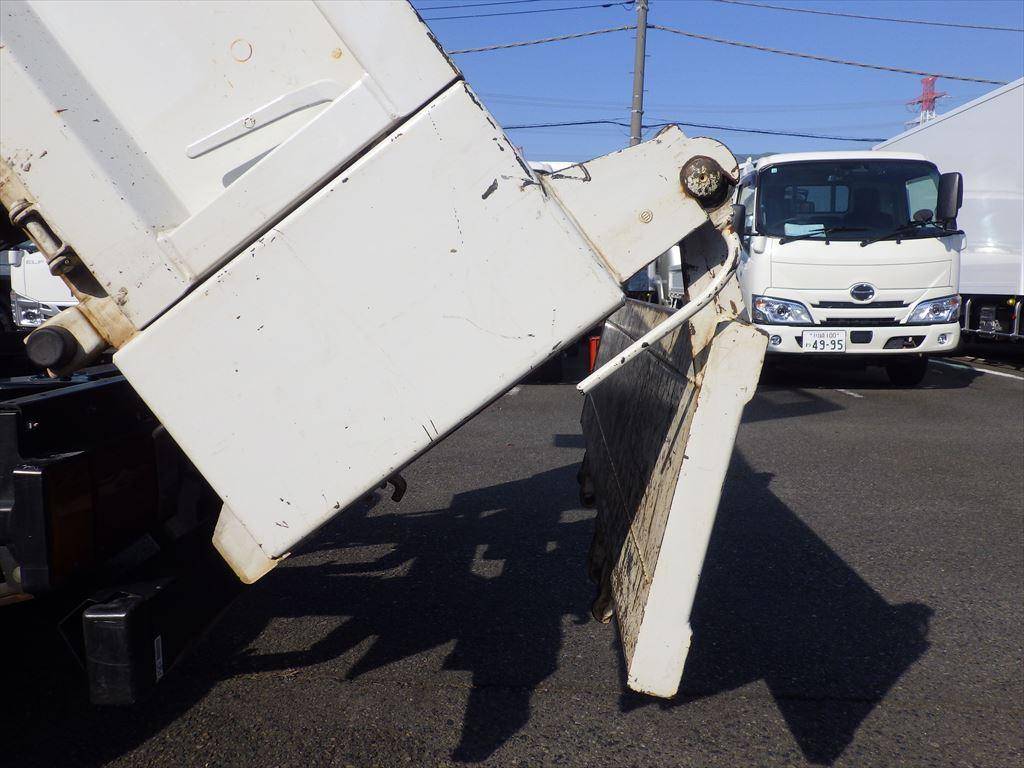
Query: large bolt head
x=51, y=347
x=704, y=180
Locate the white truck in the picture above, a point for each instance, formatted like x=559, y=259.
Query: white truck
x=33, y=294
x=217, y=198
x=985, y=140
x=852, y=254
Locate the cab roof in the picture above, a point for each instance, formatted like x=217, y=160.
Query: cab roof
x=867, y=154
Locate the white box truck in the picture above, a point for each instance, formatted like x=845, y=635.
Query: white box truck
x=218, y=197
x=33, y=293
x=852, y=254
x=984, y=139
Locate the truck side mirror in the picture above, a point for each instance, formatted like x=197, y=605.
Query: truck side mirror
x=951, y=196
x=738, y=222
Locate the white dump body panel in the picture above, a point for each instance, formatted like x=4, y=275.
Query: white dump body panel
x=326, y=383
x=254, y=183
x=983, y=140
x=186, y=126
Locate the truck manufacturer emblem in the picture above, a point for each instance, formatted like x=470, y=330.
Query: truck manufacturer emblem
x=863, y=292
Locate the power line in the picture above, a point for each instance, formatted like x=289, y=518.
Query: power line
x=566, y=124
x=765, y=131
x=826, y=129
x=477, y=5
x=723, y=41
x=569, y=103
x=769, y=7
x=531, y=11
x=731, y=128
x=543, y=40
x=814, y=57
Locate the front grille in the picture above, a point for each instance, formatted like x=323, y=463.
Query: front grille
x=855, y=322
x=854, y=305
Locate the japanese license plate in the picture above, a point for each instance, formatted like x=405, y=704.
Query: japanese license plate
x=824, y=341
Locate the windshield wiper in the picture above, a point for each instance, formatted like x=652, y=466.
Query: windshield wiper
x=826, y=231
x=910, y=227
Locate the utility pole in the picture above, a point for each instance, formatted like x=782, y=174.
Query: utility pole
x=636, y=115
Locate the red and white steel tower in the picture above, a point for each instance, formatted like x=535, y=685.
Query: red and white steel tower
x=925, y=103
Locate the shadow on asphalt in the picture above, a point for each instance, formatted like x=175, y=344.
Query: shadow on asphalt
x=1002, y=355
x=777, y=604
x=790, y=390
x=771, y=403
x=493, y=576
x=494, y=573
x=833, y=374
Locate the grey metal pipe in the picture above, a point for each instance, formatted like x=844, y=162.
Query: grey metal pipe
x=636, y=115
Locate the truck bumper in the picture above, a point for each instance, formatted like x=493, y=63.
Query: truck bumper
x=885, y=340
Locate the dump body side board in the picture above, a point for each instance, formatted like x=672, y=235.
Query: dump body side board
x=659, y=435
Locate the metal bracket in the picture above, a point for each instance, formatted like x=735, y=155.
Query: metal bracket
x=399, y=484
x=60, y=257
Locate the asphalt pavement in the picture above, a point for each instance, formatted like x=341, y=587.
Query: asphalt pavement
x=862, y=604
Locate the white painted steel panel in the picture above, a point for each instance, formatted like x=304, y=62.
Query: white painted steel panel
x=659, y=436
x=626, y=224
x=728, y=381
x=321, y=382
x=919, y=265
x=104, y=102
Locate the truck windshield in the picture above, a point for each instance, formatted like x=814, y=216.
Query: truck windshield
x=846, y=199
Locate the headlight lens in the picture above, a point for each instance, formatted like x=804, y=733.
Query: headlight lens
x=780, y=312
x=944, y=310
x=30, y=314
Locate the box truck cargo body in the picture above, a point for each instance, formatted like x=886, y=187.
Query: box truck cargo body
x=984, y=140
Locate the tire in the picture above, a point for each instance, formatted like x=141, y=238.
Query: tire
x=907, y=373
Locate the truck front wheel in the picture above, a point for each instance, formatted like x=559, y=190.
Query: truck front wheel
x=907, y=373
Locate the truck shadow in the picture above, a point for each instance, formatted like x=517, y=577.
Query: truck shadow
x=493, y=574
x=496, y=572
x=777, y=604
x=771, y=402
x=493, y=577
x=1004, y=355
x=831, y=374
x=790, y=390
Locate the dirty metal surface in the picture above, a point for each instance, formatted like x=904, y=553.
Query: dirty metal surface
x=245, y=124
x=659, y=435
x=625, y=221
x=382, y=382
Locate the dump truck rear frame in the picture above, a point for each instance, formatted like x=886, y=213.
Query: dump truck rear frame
x=237, y=214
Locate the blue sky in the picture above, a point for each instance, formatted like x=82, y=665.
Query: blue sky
x=689, y=80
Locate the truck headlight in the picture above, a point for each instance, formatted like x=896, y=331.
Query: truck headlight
x=944, y=310
x=30, y=314
x=780, y=312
